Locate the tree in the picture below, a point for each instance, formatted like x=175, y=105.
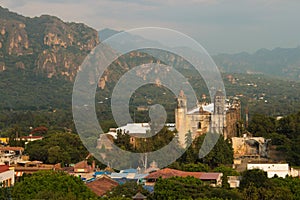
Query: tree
x=126, y=190
x=190, y=167
x=262, y=125
x=57, y=155
x=190, y=188
x=222, y=152
x=57, y=147
x=178, y=188
x=255, y=177
x=5, y=193
x=51, y=185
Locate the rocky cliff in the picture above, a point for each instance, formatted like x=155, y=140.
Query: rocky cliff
x=44, y=44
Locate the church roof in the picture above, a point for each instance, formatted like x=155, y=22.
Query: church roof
x=208, y=108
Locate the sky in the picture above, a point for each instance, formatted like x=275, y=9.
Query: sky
x=220, y=26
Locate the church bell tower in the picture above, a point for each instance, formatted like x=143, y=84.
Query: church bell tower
x=180, y=117
x=219, y=114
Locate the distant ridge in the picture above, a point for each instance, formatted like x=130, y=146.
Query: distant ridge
x=280, y=62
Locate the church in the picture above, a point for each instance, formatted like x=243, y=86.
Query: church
x=222, y=116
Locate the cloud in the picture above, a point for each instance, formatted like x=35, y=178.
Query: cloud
x=223, y=25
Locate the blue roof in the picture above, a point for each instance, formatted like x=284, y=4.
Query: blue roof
x=118, y=175
x=131, y=170
x=101, y=173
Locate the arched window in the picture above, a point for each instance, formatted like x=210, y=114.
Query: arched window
x=181, y=103
x=199, y=125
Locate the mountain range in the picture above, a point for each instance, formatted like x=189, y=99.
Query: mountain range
x=40, y=57
x=279, y=62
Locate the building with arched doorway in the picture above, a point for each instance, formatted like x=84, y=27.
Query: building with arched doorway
x=222, y=116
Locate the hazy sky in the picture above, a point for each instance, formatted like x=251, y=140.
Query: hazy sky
x=219, y=25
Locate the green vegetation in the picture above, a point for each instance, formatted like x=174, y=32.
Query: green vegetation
x=29, y=99
x=222, y=153
x=255, y=186
x=126, y=190
x=57, y=147
x=190, y=188
x=284, y=134
x=51, y=185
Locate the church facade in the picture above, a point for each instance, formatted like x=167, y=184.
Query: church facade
x=222, y=116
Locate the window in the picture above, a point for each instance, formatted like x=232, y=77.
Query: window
x=199, y=125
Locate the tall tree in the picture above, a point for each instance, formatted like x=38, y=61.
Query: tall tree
x=51, y=185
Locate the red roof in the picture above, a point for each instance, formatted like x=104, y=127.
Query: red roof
x=168, y=173
x=3, y=168
x=102, y=185
x=31, y=137
x=83, y=165
x=11, y=149
x=210, y=176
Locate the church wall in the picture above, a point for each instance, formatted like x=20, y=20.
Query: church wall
x=189, y=122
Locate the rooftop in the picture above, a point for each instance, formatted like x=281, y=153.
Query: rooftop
x=135, y=128
x=168, y=173
x=11, y=149
x=4, y=168
x=208, y=108
x=210, y=176
x=102, y=185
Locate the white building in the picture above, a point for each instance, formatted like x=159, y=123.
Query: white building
x=281, y=170
x=234, y=181
x=7, y=176
x=10, y=155
x=135, y=128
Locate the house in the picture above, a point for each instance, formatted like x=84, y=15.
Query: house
x=83, y=170
x=7, y=176
x=29, y=167
x=213, y=179
x=102, y=184
x=83, y=167
x=294, y=172
x=281, y=170
x=4, y=140
x=10, y=155
x=139, y=196
x=135, y=128
x=30, y=138
x=15, y=150
x=128, y=175
x=234, y=181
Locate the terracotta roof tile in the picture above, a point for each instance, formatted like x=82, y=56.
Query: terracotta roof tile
x=210, y=176
x=102, y=185
x=168, y=173
x=11, y=149
x=3, y=168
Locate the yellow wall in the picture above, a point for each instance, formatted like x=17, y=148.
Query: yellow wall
x=4, y=140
